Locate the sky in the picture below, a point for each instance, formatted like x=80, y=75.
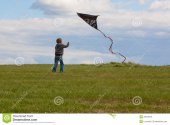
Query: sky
x=140, y=30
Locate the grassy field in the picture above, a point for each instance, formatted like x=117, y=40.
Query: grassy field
x=109, y=88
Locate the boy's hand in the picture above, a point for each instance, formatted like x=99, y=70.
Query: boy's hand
x=68, y=44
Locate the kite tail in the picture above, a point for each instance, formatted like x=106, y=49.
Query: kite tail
x=110, y=48
x=123, y=57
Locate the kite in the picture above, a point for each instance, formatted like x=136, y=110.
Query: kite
x=92, y=21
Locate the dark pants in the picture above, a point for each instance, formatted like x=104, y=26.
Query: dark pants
x=56, y=60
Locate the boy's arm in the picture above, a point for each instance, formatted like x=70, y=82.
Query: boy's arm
x=65, y=46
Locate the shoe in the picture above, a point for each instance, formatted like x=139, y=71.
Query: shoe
x=54, y=70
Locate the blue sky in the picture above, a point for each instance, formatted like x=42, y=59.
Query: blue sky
x=16, y=9
x=140, y=29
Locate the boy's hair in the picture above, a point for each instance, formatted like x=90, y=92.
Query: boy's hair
x=59, y=40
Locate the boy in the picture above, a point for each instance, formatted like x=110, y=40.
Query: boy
x=59, y=51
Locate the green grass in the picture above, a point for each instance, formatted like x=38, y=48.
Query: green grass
x=85, y=89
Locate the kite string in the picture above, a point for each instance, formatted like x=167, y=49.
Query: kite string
x=111, y=40
x=110, y=48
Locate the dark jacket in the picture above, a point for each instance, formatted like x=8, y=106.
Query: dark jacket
x=59, y=48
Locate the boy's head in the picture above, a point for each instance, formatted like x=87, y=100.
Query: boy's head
x=59, y=40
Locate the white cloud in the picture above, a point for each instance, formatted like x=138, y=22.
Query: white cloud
x=7, y=60
x=162, y=34
x=110, y=16
x=137, y=33
x=87, y=57
x=29, y=38
x=142, y=1
x=72, y=6
x=22, y=38
x=160, y=5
